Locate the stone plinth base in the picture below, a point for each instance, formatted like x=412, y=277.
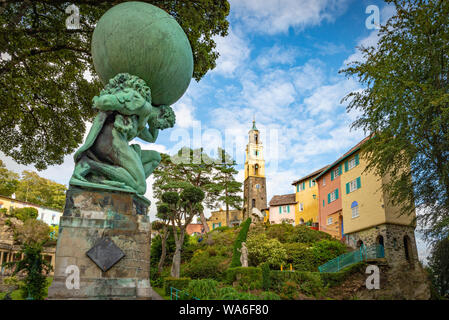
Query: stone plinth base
x=91, y=215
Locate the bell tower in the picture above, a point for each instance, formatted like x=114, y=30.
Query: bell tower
x=254, y=186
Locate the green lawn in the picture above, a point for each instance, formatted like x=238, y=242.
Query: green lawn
x=16, y=294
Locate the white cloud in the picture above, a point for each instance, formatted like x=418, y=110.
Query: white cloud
x=277, y=55
x=234, y=51
x=326, y=99
x=274, y=16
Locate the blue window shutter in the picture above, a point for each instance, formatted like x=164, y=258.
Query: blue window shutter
x=303, y=186
x=336, y=194
x=310, y=183
x=280, y=209
x=359, y=183
x=328, y=198
x=347, y=188
x=323, y=203
x=297, y=187
x=332, y=175
x=340, y=171
x=356, y=159
x=219, y=224
x=346, y=165
x=288, y=209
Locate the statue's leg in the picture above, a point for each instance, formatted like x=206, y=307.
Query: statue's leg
x=150, y=160
x=130, y=161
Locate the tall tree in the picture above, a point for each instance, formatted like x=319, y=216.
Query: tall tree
x=226, y=186
x=439, y=266
x=405, y=105
x=9, y=181
x=38, y=190
x=181, y=208
x=44, y=96
x=163, y=214
x=187, y=167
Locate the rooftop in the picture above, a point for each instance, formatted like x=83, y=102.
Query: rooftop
x=283, y=199
x=310, y=175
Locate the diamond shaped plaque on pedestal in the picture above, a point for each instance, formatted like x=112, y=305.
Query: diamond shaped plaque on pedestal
x=105, y=254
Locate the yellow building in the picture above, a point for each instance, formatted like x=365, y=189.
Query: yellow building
x=306, y=193
x=218, y=218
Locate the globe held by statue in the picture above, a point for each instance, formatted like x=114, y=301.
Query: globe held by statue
x=143, y=40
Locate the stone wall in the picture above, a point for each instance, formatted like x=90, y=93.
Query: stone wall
x=250, y=191
x=393, y=239
x=91, y=216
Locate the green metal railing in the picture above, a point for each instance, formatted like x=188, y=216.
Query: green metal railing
x=345, y=260
x=176, y=294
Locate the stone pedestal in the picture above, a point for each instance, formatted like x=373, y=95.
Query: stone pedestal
x=92, y=218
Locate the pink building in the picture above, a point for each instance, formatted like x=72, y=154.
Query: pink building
x=282, y=209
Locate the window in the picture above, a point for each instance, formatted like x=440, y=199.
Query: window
x=332, y=196
x=351, y=163
x=336, y=172
x=257, y=186
x=256, y=169
x=284, y=209
x=324, y=181
x=355, y=209
x=256, y=138
x=301, y=221
x=329, y=220
x=300, y=186
x=301, y=206
x=254, y=203
x=353, y=185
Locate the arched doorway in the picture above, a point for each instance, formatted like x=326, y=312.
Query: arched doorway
x=359, y=243
x=408, y=249
x=380, y=247
x=301, y=221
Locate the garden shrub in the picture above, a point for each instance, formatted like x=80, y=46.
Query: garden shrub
x=305, y=234
x=301, y=256
x=248, y=278
x=333, y=279
x=282, y=232
x=204, y=289
x=266, y=280
x=268, y=295
x=309, y=283
x=207, y=264
x=238, y=243
x=178, y=283
x=229, y=293
x=261, y=249
x=326, y=250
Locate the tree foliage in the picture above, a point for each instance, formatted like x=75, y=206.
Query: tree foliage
x=439, y=267
x=44, y=96
x=25, y=213
x=243, y=233
x=195, y=167
x=405, y=105
x=35, y=189
x=8, y=181
x=35, y=268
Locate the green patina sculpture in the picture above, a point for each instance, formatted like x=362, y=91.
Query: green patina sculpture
x=106, y=160
x=135, y=46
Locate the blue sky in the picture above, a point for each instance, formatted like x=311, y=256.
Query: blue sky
x=279, y=63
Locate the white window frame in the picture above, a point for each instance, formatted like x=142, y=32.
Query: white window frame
x=356, y=211
x=336, y=172
x=353, y=185
x=351, y=163
x=300, y=187
x=301, y=206
x=333, y=196
x=329, y=221
x=284, y=209
x=324, y=181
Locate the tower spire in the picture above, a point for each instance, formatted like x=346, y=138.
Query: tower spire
x=254, y=123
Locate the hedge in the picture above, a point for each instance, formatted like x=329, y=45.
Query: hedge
x=238, y=243
x=178, y=283
x=248, y=278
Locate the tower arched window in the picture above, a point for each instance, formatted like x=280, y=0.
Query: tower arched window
x=256, y=138
x=256, y=169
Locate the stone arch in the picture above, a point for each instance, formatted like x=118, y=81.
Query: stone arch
x=359, y=243
x=380, y=240
x=408, y=252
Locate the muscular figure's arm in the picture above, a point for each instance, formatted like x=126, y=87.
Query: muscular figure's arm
x=149, y=135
